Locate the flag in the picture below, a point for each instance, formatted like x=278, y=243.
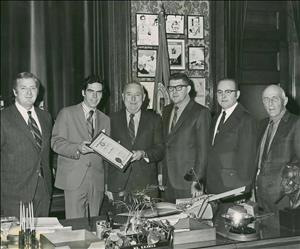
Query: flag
x=162, y=72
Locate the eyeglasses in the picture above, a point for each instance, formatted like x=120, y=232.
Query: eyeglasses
x=177, y=88
x=227, y=92
x=273, y=100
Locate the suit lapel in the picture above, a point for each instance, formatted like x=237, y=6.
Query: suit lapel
x=142, y=124
x=280, y=129
x=166, y=119
x=42, y=122
x=81, y=119
x=184, y=115
x=21, y=123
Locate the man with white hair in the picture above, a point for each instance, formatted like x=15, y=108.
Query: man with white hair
x=279, y=146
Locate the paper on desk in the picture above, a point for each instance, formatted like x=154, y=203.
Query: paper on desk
x=47, y=223
x=173, y=219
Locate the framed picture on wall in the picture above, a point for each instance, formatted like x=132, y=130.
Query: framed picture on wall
x=146, y=62
x=147, y=29
x=196, y=58
x=195, y=27
x=176, y=49
x=149, y=86
x=199, y=84
x=175, y=24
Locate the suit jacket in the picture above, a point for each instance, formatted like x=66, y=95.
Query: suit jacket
x=284, y=149
x=69, y=131
x=186, y=144
x=20, y=156
x=149, y=138
x=285, y=146
x=231, y=160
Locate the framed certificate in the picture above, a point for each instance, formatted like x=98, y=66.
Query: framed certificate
x=112, y=151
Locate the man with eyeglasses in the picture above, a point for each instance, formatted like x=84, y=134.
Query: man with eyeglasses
x=186, y=125
x=140, y=131
x=80, y=171
x=231, y=158
x=279, y=137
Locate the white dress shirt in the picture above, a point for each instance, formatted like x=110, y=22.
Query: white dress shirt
x=25, y=115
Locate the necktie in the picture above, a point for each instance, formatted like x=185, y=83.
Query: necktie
x=174, y=117
x=267, y=142
x=90, y=124
x=220, y=125
x=131, y=128
x=35, y=130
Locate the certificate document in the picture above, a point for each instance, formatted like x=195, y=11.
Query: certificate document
x=113, y=152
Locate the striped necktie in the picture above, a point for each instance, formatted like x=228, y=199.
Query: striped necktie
x=131, y=128
x=35, y=131
x=90, y=124
x=267, y=143
x=174, y=117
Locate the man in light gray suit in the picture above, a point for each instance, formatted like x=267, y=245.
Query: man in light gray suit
x=80, y=171
x=25, y=147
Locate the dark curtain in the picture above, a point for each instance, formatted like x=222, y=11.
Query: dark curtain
x=235, y=17
x=296, y=13
x=62, y=42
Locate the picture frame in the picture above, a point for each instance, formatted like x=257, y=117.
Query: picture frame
x=149, y=86
x=176, y=49
x=175, y=24
x=195, y=27
x=196, y=58
x=146, y=29
x=146, y=62
x=200, y=89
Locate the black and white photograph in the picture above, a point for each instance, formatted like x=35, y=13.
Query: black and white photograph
x=151, y=124
x=196, y=58
x=195, y=27
x=146, y=62
x=147, y=29
x=175, y=24
x=176, y=49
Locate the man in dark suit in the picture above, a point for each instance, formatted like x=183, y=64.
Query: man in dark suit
x=80, y=171
x=231, y=157
x=25, y=148
x=186, y=125
x=140, y=131
x=279, y=136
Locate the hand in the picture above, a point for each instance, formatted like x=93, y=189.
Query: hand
x=84, y=149
x=196, y=192
x=137, y=155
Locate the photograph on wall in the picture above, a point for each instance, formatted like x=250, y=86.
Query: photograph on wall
x=195, y=27
x=149, y=87
x=175, y=24
x=176, y=49
x=146, y=62
x=147, y=29
x=199, y=85
x=196, y=58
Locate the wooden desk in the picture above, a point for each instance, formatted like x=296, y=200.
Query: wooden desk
x=271, y=235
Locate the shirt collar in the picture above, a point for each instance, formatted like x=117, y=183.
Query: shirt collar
x=183, y=104
x=23, y=110
x=230, y=109
x=87, y=109
x=279, y=117
x=137, y=115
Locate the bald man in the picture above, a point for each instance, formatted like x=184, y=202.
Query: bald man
x=279, y=145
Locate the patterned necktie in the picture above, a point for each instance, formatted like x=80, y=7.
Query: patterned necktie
x=90, y=124
x=35, y=131
x=267, y=142
x=131, y=128
x=174, y=118
x=220, y=125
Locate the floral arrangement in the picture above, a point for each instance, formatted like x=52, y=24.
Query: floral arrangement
x=137, y=229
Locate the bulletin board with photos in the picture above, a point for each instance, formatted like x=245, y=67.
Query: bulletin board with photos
x=187, y=41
